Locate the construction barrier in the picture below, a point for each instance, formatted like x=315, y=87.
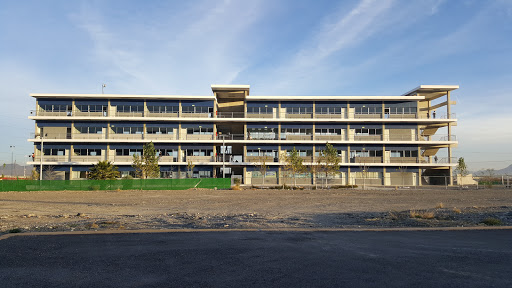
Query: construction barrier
x=115, y=184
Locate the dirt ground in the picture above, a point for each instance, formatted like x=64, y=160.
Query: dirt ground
x=253, y=209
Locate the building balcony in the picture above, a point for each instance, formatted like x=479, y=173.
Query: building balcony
x=298, y=116
x=261, y=158
x=86, y=158
x=126, y=136
x=330, y=137
x=366, y=160
x=160, y=136
x=162, y=114
x=199, y=137
x=196, y=115
x=199, y=159
x=52, y=158
x=297, y=137
x=231, y=115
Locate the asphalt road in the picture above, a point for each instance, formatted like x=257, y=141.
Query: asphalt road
x=260, y=259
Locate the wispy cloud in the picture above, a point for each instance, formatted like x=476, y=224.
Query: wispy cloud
x=200, y=46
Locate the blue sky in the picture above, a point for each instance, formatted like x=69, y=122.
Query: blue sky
x=278, y=47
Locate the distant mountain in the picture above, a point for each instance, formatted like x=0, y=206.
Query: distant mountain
x=17, y=170
x=504, y=171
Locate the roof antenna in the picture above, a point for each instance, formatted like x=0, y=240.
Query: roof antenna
x=103, y=86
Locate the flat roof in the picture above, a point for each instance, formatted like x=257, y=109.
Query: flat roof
x=429, y=89
x=333, y=98
x=121, y=96
x=222, y=87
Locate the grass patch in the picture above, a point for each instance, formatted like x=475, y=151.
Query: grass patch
x=492, y=222
x=421, y=214
x=440, y=205
x=456, y=210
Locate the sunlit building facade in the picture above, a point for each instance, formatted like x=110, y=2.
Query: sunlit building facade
x=381, y=140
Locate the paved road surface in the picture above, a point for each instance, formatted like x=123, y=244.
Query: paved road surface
x=260, y=259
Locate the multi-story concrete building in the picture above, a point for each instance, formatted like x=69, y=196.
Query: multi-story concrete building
x=387, y=140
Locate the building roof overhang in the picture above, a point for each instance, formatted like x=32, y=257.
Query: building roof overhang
x=121, y=96
x=334, y=98
x=431, y=92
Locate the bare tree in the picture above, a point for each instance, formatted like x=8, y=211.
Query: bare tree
x=262, y=166
x=50, y=173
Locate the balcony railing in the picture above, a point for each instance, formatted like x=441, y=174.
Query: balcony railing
x=251, y=136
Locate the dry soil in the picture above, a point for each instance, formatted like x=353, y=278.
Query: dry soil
x=253, y=209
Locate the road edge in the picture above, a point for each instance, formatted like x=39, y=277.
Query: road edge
x=146, y=231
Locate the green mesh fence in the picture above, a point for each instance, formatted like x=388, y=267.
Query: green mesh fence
x=117, y=184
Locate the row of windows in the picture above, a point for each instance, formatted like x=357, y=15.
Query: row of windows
x=196, y=109
x=260, y=110
x=328, y=110
x=200, y=131
x=365, y=153
x=128, y=130
x=56, y=108
x=87, y=152
x=368, y=131
x=89, y=130
x=130, y=108
x=266, y=153
x=91, y=108
x=159, y=130
x=163, y=109
x=199, y=152
x=128, y=152
x=406, y=153
x=299, y=110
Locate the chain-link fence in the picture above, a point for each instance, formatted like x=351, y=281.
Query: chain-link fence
x=116, y=184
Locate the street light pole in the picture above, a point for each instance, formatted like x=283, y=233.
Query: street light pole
x=223, y=156
x=41, y=159
x=12, y=160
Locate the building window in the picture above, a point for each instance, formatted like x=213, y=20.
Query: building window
x=260, y=110
x=328, y=131
x=265, y=153
x=91, y=108
x=54, y=151
x=89, y=130
x=295, y=131
x=367, y=175
x=55, y=108
x=128, y=152
x=163, y=109
x=128, y=130
x=299, y=110
x=365, y=153
x=403, y=153
x=262, y=133
x=130, y=108
x=328, y=110
x=368, y=131
x=87, y=152
x=199, y=152
x=367, y=108
x=196, y=109
x=200, y=130
x=159, y=130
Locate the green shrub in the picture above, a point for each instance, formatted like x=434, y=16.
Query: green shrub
x=492, y=222
x=15, y=230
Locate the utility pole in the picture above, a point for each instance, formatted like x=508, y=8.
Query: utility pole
x=223, y=156
x=41, y=159
x=103, y=86
x=12, y=160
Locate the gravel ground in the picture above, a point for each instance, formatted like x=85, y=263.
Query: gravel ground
x=252, y=209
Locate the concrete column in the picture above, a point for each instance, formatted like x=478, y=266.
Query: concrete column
x=314, y=112
x=419, y=177
x=448, y=109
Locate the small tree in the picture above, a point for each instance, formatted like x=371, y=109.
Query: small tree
x=329, y=161
x=146, y=165
x=190, y=168
x=103, y=170
x=49, y=173
x=489, y=177
x=35, y=174
x=262, y=166
x=293, y=164
x=461, y=169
